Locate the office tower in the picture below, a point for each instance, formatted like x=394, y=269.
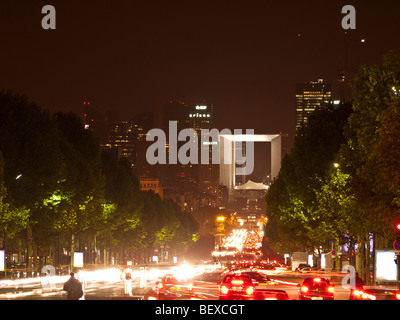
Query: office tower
x=122, y=136
x=310, y=96
x=175, y=111
x=175, y=176
x=201, y=178
x=201, y=117
x=142, y=123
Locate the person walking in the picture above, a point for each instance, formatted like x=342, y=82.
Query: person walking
x=73, y=287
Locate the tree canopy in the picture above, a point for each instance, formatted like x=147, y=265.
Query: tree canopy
x=60, y=189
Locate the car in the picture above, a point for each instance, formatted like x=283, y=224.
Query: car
x=270, y=294
x=302, y=266
x=374, y=294
x=258, y=279
x=316, y=289
x=236, y=287
x=170, y=283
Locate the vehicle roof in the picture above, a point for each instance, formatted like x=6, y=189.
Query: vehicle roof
x=230, y=277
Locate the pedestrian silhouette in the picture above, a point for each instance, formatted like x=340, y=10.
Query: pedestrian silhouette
x=73, y=287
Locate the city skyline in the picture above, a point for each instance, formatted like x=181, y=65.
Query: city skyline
x=245, y=60
x=146, y=146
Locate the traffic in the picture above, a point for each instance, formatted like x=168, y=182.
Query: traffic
x=241, y=280
x=237, y=271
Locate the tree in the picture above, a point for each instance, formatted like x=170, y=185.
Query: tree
x=295, y=220
x=122, y=196
x=29, y=141
x=369, y=156
x=12, y=219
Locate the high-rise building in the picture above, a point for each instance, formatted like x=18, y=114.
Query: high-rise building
x=196, y=177
x=310, y=96
x=201, y=117
x=122, y=136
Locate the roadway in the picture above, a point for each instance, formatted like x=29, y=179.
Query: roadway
x=107, y=285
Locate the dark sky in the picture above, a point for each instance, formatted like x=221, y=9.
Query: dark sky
x=244, y=57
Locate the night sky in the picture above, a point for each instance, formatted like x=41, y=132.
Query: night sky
x=243, y=57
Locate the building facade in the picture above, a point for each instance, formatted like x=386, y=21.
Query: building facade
x=310, y=96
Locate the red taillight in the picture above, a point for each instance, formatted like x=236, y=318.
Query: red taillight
x=367, y=296
x=364, y=295
x=237, y=282
x=317, y=279
x=250, y=290
x=224, y=290
x=304, y=288
x=330, y=289
x=151, y=298
x=357, y=293
x=160, y=285
x=397, y=296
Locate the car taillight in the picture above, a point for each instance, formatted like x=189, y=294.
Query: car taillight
x=357, y=293
x=367, y=296
x=317, y=279
x=237, y=282
x=151, y=298
x=330, y=289
x=250, y=290
x=224, y=290
x=304, y=288
x=364, y=295
x=397, y=296
x=159, y=285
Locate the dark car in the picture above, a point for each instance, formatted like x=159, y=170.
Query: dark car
x=316, y=289
x=170, y=283
x=375, y=294
x=270, y=294
x=302, y=266
x=258, y=279
x=236, y=287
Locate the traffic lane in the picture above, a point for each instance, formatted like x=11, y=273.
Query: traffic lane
x=101, y=289
x=36, y=289
x=291, y=284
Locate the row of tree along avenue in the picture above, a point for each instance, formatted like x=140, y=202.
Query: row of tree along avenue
x=61, y=193
x=340, y=186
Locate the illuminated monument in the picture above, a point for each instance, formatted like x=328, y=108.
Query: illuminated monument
x=228, y=168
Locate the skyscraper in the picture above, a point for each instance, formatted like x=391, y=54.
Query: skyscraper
x=176, y=176
x=310, y=96
x=197, y=177
x=201, y=117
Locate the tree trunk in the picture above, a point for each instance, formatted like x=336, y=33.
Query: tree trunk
x=29, y=261
x=95, y=249
x=72, y=250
